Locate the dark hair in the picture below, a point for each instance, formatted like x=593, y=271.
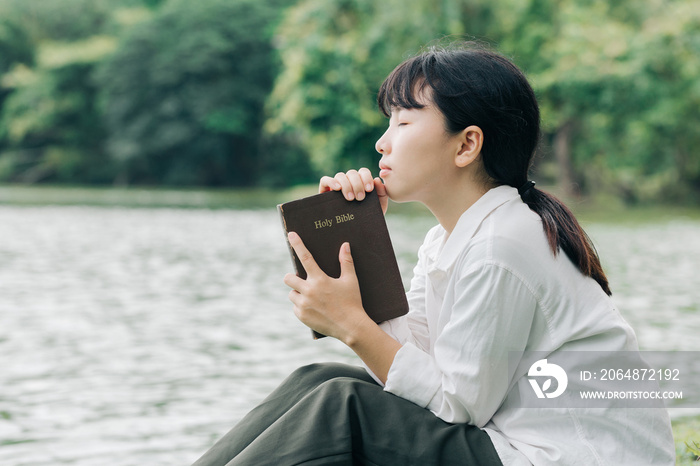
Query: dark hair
x=472, y=85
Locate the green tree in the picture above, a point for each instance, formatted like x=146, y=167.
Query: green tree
x=182, y=97
x=616, y=81
x=183, y=94
x=15, y=45
x=49, y=125
x=659, y=136
x=16, y=48
x=618, y=94
x=60, y=20
x=334, y=57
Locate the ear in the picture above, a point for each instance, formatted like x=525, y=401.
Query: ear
x=471, y=141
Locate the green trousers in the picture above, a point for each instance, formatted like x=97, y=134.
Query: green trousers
x=334, y=414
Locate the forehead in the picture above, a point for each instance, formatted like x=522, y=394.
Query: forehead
x=420, y=97
x=396, y=111
x=406, y=87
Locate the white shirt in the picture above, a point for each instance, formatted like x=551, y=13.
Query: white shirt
x=491, y=287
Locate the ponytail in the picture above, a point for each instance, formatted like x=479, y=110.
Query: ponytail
x=563, y=231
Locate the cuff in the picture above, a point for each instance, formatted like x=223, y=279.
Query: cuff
x=413, y=376
x=397, y=329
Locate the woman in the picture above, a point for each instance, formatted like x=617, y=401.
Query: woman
x=507, y=271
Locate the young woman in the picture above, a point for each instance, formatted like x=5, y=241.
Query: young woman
x=507, y=271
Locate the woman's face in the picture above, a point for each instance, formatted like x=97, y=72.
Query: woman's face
x=417, y=161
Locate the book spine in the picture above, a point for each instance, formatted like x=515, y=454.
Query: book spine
x=302, y=272
x=280, y=209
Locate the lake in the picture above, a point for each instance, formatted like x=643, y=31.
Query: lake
x=139, y=336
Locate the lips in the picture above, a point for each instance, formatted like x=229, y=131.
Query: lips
x=383, y=169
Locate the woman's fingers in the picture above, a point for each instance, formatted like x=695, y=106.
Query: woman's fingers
x=345, y=185
x=305, y=257
x=353, y=183
x=356, y=185
x=366, y=177
x=328, y=183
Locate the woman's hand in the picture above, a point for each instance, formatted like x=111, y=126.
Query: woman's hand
x=328, y=305
x=333, y=307
x=354, y=184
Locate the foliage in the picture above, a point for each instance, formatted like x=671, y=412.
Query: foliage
x=685, y=434
x=617, y=82
x=16, y=48
x=50, y=123
x=334, y=56
x=182, y=97
x=627, y=84
x=694, y=448
x=61, y=20
x=50, y=127
x=185, y=88
x=15, y=45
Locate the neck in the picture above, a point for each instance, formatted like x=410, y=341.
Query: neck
x=454, y=200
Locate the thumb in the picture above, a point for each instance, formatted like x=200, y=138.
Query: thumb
x=382, y=194
x=347, y=265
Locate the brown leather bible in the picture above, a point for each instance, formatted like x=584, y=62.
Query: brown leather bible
x=324, y=222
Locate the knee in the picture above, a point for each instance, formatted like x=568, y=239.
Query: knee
x=321, y=372
x=344, y=388
x=346, y=395
x=325, y=369
x=319, y=367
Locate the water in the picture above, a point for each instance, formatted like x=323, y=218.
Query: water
x=138, y=336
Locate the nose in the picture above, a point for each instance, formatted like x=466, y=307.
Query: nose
x=382, y=145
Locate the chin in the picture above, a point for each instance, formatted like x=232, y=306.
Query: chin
x=397, y=196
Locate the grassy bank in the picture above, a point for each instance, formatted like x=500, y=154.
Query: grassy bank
x=686, y=431
x=195, y=198
x=252, y=198
x=588, y=210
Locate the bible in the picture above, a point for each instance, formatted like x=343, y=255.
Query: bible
x=326, y=221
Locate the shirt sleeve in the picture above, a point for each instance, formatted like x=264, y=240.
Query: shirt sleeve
x=468, y=376
x=413, y=327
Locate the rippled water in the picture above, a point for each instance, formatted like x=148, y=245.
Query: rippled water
x=138, y=336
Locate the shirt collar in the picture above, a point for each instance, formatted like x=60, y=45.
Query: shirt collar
x=469, y=222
